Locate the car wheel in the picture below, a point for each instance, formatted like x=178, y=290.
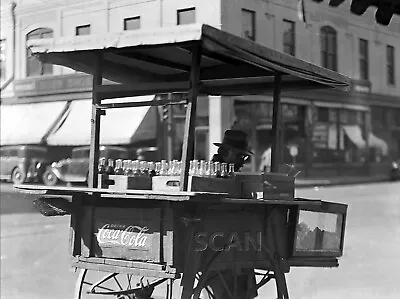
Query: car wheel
x=49, y=178
x=18, y=176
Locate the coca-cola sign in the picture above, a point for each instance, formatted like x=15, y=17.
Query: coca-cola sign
x=131, y=236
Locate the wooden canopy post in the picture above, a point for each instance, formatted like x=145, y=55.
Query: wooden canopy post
x=190, y=122
x=95, y=123
x=276, y=125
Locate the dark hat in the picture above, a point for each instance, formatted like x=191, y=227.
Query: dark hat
x=235, y=139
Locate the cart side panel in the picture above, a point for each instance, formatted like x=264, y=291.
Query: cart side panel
x=120, y=233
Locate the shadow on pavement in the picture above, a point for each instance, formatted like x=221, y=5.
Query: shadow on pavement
x=13, y=202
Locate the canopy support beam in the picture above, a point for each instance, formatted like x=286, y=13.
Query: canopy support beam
x=276, y=125
x=188, y=140
x=95, y=124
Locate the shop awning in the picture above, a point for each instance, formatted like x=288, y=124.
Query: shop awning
x=376, y=142
x=29, y=123
x=118, y=126
x=355, y=135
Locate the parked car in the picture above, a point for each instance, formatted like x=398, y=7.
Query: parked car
x=23, y=163
x=76, y=168
x=395, y=171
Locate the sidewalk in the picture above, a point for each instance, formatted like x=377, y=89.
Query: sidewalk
x=340, y=180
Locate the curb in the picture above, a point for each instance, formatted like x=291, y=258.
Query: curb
x=329, y=183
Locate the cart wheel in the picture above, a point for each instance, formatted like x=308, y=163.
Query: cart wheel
x=96, y=284
x=225, y=284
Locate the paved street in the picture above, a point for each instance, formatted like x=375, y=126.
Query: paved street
x=35, y=258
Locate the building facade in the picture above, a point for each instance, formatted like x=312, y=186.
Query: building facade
x=332, y=131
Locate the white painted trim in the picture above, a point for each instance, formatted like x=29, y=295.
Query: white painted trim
x=340, y=105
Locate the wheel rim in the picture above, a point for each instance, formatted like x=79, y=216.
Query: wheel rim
x=50, y=178
x=97, y=285
x=17, y=176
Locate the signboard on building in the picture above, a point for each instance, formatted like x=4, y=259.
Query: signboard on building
x=53, y=85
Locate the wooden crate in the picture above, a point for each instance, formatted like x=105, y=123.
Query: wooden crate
x=204, y=184
x=251, y=185
x=123, y=182
x=127, y=233
x=278, y=186
x=266, y=186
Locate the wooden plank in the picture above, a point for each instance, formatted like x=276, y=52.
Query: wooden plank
x=188, y=139
x=144, y=103
x=276, y=125
x=95, y=124
x=119, y=269
x=86, y=230
x=141, y=88
x=155, y=60
x=72, y=190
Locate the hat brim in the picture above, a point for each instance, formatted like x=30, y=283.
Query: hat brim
x=235, y=148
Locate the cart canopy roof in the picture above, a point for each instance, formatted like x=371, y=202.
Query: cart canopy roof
x=159, y=61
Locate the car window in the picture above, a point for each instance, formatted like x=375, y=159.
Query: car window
x=12, y=153
x=37, y=153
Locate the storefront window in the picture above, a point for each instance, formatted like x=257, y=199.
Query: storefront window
x=256, y=119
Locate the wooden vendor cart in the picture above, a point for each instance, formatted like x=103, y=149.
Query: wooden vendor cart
x=213, y=235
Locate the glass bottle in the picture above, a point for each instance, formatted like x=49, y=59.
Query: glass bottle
x=128, y=168
x=231, y=171
x=164, y=167
x=209, y=169
x=202, y=168
x=144, y=170
x=191, y=169
x=224, y=170
x=217, y=169
x=171, y=168
x=158, y=168
x=195, y=168
x=152, y=169
x=118, y=167
x=135, y=168
x=179, y=168
x=110, y=167
x=102, y=166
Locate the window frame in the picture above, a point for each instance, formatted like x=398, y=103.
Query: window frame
x=292, y=32
x=183, y=10
x=3, y=68
x=390, y=65
x=31, y=61
x=252, y=13
x=136, y=18
x=363, y=52
x=77, y=28
x=329, y=48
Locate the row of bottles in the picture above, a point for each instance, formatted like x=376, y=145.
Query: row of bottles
x=173, y=168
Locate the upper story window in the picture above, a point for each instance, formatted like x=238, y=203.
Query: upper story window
x=329, y=48
x=390, y=61
x=33, y=66
x=364, y=57
x=186, y=16
x=2, y=59
x=132, y=23
x=289, y=42
x=249, y=24
x=82, y=30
